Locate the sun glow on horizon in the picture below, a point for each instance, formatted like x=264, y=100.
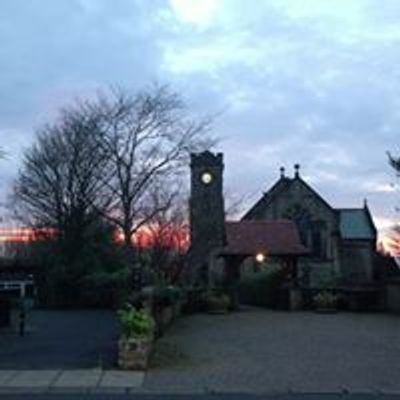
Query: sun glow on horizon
x=23, y=234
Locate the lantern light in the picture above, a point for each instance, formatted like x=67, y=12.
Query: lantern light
x=260, y=258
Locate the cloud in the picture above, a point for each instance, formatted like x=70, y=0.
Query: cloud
x=197, y=12
x=306, y=81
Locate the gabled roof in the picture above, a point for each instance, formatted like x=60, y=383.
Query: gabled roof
x=279, y=187
x=356, y=223
x=267, y=197
x=275, y=238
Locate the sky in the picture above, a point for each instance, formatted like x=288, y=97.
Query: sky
x=314, y=82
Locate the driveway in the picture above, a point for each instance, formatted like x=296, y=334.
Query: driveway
x=262, y=351
x=62, y=340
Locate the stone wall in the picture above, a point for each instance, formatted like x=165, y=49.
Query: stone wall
x=357, y=261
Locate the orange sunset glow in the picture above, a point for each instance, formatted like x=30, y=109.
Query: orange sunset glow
x=169, y=236
x=391, y=242
x=146, y=236
x=16, y=234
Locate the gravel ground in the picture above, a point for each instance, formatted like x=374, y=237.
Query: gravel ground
x=262, y=351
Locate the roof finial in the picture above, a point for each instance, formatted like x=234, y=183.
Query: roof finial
x=365, y=202
x=282, y=170
x=296, y=170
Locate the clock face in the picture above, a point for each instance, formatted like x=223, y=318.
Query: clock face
x=206, y=178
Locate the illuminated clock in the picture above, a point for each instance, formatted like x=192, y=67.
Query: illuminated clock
x=206, y=178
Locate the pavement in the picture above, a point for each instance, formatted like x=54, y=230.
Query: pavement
x=69, y=381
x=239, y=396
x=62, y=339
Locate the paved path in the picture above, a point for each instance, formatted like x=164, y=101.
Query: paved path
x=140, y=396
x=128, y=396
x=61, y=381
x=62, y=340
x=263, y=351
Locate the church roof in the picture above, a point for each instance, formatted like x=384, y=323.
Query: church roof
x=356, y=223
x=275, y=238
x=267, y=197
x=278, y=189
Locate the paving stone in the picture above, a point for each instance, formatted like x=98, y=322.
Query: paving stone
x=78, y=378
x=127, y=379
x=6, y=375
x=32, y=379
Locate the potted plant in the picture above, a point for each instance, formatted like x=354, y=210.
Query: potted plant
x=135, y=344
x=325, y=302
x=217, y=303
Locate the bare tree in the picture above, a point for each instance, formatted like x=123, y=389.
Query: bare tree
x=59, y=186
x=394, y=162
x=164, y=241
x=148, y=137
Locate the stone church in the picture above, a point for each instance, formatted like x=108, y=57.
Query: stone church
x=341, y=241
x=290, y=222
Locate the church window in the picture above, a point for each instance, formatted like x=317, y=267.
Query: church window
x=318, y=245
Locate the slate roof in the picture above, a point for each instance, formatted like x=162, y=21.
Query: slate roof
x=277, y=189
x=356, y=223
x=276, y=238
x=267, y=197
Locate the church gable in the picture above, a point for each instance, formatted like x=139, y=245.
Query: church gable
x=293, y=199
x=287, y=198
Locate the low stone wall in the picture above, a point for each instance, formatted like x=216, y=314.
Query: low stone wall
x=166, y=315
x=349, y=298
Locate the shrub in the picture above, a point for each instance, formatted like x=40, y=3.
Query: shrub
x=195, y=300
x=263, y=289
x=217, y=301
x=166, y=296
x=136, y=323
x=325, y=299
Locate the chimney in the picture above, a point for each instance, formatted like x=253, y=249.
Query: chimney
x=296, y=170
x=282, y=171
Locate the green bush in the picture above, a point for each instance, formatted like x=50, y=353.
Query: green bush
x=217, y=301
x=195, y=300
x=136, y=323
x=325, y=299
x=263, y=289
x=166, y=296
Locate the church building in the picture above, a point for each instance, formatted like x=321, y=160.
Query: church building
x=290, y=223
x=341, y=241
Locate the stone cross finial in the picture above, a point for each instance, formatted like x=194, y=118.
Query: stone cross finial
x=296, y=170
x=282, y=170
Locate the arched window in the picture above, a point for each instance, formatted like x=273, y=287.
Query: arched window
x=311, y=232
x=302, y=218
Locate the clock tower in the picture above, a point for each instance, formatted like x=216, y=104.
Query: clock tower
x=207, y=215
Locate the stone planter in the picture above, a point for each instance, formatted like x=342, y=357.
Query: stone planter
x=218, y=304
x=134, y=353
